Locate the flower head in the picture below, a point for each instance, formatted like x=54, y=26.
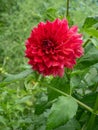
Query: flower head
x=52, y=46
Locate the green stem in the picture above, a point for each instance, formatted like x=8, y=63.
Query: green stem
x=92, y=118
x=67, y=9
x=79, y=102
x=84, y=105
x=88, y=40
x=59, y=91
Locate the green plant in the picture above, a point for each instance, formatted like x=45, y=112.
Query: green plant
x=27, y=100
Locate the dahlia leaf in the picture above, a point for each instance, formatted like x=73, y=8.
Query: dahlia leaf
x=61, y=112
x=90, y=21
x=89, y=99
x=76, y=80
x=40, y=104
x=95, y=42
x=18, y=76
x=91, y=77
x=12, y=78
x=51, y=13
x=72, y=124
x=84, y=78
x=59, y=83
x=90, y=57
x=92, y=32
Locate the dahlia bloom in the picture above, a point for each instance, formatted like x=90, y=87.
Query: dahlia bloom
x=52, y=46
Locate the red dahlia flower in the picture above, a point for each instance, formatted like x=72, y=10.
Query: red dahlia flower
x=53, y=46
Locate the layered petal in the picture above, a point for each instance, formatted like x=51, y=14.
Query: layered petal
x=53, y=46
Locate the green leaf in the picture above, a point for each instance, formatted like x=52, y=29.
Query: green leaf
x=50, y=14
x=96, y=123
x=61, y=111
x=76, y=80
x=40, y=104
x=18, y=76
x=12, y=78
x=90, y=56
x=23, y=99
x=85, y=77
x=72, y=124
x=92, y=76
x=59, y=83
x=90, y=21
x=4, y=128
x=95, y=42
x=2, y=120
x=89, y=99
x=92, y=32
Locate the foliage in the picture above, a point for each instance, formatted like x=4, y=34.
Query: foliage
x=29, y=101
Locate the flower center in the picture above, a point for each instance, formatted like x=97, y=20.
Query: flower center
x=48, y=46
